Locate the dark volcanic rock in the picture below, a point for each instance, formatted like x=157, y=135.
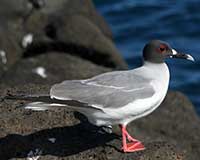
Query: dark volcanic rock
x=63, y=9
x=14, y=10
x=71, y=41
x=78, y=29
x=175, y=121
x=12, y=15
x=10, y=50
x=46, y=24
x=58, y=67
x=8, y=44
x=23, y=131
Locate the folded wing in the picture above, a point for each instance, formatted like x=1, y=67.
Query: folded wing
x=109, y=90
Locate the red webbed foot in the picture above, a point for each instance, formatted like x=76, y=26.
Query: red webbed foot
x=133, y=144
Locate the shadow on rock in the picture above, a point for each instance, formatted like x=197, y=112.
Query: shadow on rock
x=60, y=141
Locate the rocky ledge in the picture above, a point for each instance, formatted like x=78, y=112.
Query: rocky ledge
x=45, y=42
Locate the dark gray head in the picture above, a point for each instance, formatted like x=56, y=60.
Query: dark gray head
x=156, y=51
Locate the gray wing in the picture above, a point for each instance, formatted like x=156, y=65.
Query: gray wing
x=112, y=89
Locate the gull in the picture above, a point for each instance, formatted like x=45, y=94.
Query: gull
x=118, y=97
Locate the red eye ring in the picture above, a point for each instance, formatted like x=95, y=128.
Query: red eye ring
x=162, y=48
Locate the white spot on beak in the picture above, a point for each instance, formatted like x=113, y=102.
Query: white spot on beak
x=174, y=52
x=40, y=71
x=27, y=40
x=3, y=56
x=189, y=57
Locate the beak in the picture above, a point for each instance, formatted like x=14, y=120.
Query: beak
x=176, y=54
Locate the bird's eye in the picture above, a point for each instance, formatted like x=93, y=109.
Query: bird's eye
x=162, y=48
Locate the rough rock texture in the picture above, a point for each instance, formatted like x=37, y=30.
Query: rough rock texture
x=71, y=41
x=8, y=45
x=78, y=29
x=175, y=122
x=64, y=9
x=58, y=66
x=23, y=131
x=88, y=35
x=12, y=15
x=71, y=27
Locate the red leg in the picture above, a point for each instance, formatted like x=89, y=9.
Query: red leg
x=124, y=138
x=133, y=145
x=129, y=136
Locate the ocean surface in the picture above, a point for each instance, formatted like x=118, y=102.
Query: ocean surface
x=135, y=22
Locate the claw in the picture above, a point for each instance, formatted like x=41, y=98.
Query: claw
x=133, y=145
x=131, y=138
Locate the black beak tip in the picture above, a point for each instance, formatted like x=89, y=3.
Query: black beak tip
x=182, y=56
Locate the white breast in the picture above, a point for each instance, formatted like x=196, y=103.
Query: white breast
x=142, y=107
x=159, y=74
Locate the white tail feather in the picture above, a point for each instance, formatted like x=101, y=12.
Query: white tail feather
x=41, y=106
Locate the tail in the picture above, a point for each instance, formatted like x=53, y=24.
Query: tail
x=45, y=102
x=37, y=102
x=42, y=106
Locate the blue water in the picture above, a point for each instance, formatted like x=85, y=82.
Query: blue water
x=135, y=22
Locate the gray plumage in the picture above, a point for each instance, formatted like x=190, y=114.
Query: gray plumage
x=109, y=90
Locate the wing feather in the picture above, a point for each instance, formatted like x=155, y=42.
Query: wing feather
x=114, y=89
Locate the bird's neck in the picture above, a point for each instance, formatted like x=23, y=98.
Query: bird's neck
x=157, y=71
x=155, y=65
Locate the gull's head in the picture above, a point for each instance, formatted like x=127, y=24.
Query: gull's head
x=156, y=51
